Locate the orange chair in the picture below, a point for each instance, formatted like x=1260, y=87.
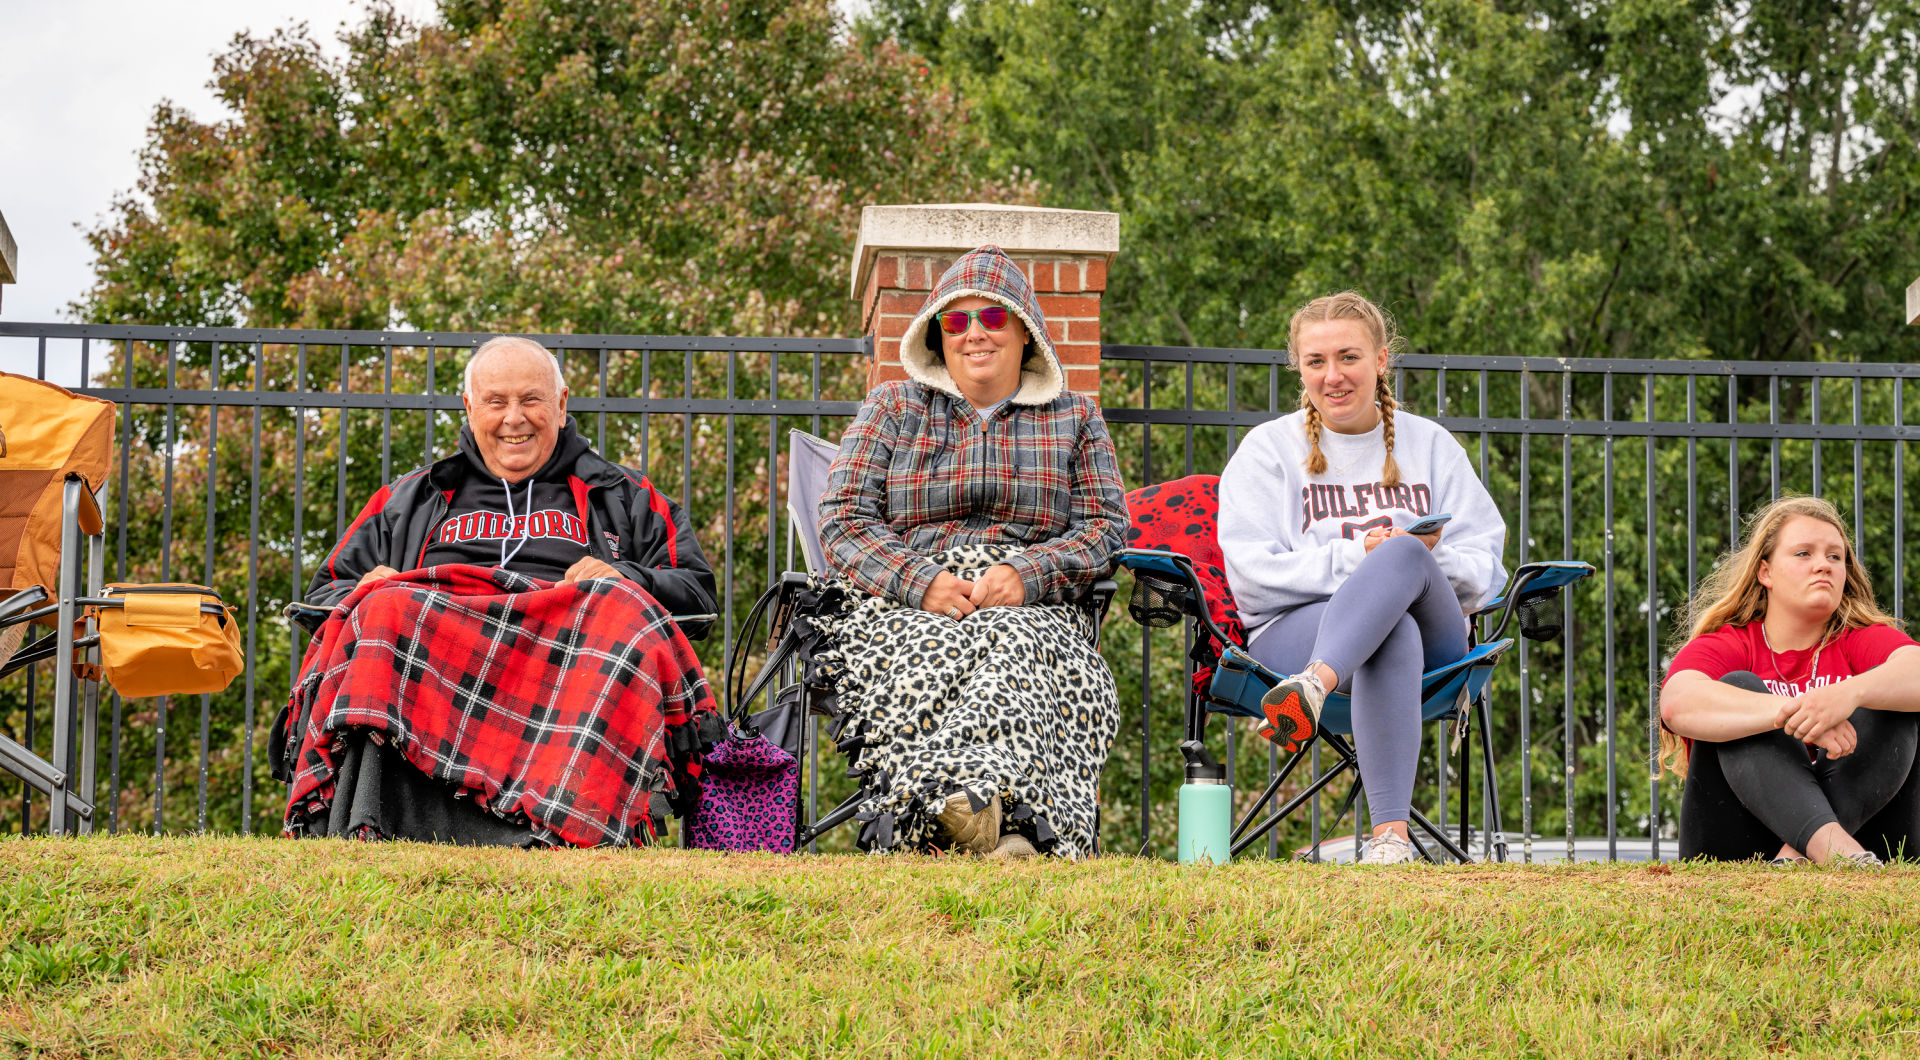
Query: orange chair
x=55, y=449
x=147, y=640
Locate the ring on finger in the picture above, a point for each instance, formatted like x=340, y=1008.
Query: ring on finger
x=953, y=612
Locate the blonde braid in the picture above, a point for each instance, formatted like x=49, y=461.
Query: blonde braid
x=1316, y=460
x=1390, y=470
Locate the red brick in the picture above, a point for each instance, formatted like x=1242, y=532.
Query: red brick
x=1078, y=353
x=1085, y=380
x=1042, y=275
x=1083, y=331
x=886, y=271
x=1096, y=279
x=1056, y=331
x=1068, y=306
x=886, y=351
x=878, y=373
x=892, y=326
x=1066, y=277
x=901, y=302
x=918, y=274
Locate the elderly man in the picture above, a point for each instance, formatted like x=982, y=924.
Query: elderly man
x=527, y=493
x=500, y=665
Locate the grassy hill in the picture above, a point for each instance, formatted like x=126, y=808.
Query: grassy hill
x=223, y=947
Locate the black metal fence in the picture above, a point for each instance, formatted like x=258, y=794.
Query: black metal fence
x=243, y=454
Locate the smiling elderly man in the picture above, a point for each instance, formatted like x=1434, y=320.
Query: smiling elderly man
x=525, y=492
x=500, y=665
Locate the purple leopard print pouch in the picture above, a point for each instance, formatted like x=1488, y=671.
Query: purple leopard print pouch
x=749, y=796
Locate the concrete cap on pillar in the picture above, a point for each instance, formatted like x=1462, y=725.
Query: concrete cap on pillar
x=1913, y=302
x=960, y=227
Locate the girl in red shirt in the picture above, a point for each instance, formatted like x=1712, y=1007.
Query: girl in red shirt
x=1795, y=698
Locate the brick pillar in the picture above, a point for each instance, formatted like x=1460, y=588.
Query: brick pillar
x=902, y=251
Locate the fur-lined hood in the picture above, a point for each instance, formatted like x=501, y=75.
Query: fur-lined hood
x=985, y=273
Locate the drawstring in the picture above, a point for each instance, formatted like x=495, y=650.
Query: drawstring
x=504, y=554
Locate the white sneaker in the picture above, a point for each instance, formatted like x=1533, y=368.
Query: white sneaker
x=1388, y=848
x=1293, y=710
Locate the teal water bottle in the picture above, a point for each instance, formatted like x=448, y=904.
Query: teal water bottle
x=1206, y=808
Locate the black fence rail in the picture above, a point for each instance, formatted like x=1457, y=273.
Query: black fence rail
x=243, y=454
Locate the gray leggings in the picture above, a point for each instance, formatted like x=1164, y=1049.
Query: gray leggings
x=1394, y=618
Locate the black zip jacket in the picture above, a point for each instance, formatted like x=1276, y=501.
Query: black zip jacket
x=629, y=524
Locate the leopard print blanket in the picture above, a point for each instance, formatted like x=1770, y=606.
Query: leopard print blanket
x=1010, y=703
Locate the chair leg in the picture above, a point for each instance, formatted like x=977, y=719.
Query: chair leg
x=1466, y=784
x=1496, y=824
x=1346, y=762
x=1439, y=836
x=1267, y=794
x=65, y=692
x=835, y=817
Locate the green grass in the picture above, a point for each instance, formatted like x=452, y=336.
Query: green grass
x=222, y=947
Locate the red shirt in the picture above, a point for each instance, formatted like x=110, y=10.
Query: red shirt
x=1788, y=673
x=1730, y=649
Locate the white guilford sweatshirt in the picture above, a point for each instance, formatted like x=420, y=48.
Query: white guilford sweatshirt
x=1291, y=538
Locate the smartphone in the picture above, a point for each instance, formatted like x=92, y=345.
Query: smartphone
x=1430, y=524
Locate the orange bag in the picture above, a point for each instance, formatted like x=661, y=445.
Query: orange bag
x=163, y=643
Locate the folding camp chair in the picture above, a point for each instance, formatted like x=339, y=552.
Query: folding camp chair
x=787, y=605
x=1184, y=580
x=55, y=449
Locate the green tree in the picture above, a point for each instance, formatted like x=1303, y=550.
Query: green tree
x=561, y=166
x=1636, y=178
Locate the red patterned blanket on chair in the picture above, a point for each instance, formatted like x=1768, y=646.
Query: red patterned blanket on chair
x=576, y=706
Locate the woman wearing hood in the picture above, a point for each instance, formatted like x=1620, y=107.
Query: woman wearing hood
x=969, y=504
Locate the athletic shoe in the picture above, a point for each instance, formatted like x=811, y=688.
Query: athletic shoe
x=967, y=830
x=1859, y=859
x=1788, y=863
x=1013, y=845
x=1293, y=710
x=1387, y=848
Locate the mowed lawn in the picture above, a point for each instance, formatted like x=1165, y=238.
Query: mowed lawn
x=223, y=947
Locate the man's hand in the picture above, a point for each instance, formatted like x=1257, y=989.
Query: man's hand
x=949, y=596
x=589, y=567
x=1839, y=740
x=1808, y=717
x=1000, y=586
x=375, y=575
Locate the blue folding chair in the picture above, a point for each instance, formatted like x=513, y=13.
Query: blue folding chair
x=1186, y=582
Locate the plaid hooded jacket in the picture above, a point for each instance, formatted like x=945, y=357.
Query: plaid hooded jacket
x=919, y=472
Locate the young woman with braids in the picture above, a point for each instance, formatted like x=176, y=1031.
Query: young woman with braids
x=1314, y=515
x=1791, y=708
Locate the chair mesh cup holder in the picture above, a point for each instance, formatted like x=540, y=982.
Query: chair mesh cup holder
x=1542, y=616
x=1157, y=603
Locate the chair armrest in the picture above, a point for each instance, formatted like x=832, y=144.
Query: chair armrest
x=1532, y=583
x=309, y=617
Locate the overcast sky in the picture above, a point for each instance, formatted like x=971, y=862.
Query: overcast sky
x=78, y=81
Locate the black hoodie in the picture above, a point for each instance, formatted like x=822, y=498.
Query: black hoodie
x=628, y=523
x=536, y=528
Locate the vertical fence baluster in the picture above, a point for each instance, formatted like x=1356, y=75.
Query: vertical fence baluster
x=1653, y=638
x=1566, y=549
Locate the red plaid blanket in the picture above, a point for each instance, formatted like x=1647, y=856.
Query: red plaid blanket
x=575, y=705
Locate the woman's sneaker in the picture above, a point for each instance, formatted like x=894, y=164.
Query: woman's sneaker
x=1293, y=710
x=970, y=831
x=1387, y=848
x=1859, y=859
x=1013, y=845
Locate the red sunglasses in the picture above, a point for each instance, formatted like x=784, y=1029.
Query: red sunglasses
x=957, y=321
